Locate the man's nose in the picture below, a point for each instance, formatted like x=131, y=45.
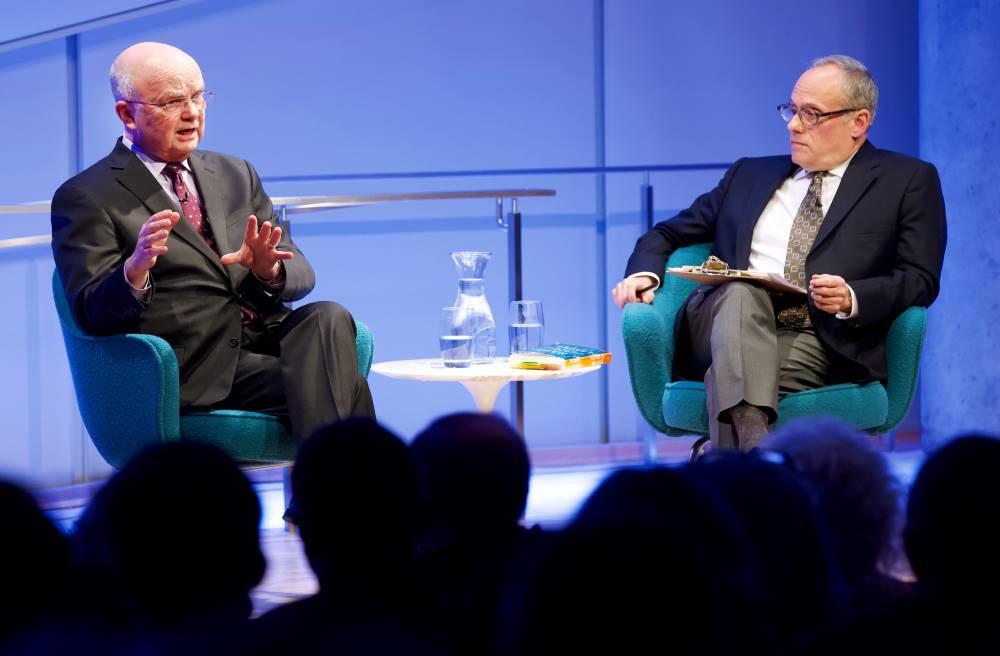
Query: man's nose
x=191, y=108
x=795, y=124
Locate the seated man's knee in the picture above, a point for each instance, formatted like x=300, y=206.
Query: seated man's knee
x=327, y=313
x=742, y=290
x=330, y=311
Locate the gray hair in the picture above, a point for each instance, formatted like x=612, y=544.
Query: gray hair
x=121, y=80
x=858, y=85
x=858, y=494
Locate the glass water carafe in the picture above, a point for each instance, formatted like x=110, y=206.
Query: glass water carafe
x=470, y=266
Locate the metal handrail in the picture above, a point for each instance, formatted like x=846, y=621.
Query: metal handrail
x=287, y=205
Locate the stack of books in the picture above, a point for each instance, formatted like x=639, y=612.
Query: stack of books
x=559, y=356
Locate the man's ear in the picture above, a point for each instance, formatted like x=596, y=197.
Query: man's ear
x=125, y=114
x=862, y=121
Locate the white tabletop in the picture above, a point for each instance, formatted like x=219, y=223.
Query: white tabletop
x=432, y=369
x=484, y=381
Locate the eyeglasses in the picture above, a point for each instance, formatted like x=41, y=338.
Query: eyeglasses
x=807, y=115
x=177, y=105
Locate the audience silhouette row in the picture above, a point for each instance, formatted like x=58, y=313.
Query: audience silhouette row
x=808, y=545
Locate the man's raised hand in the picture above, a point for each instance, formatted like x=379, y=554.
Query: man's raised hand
x=259, y=251
x=149, y=245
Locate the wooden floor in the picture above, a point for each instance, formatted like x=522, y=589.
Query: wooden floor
x=288, y=576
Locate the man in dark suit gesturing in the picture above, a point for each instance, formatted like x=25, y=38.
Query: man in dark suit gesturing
x=862, y=230
x=160, y=238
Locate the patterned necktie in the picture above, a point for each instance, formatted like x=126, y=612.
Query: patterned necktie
x=805, y=225
x=189, y=204
x=192, y=212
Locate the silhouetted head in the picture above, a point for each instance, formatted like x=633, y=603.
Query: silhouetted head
x=654, y=561
x=473, y=471
x=858, y=495
x=358, y=504
x=789, y=542
x=176, y=531
x=949, y=536
x=34, y=561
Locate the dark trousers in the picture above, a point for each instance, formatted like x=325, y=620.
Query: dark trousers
x=736, y=347
x=304, y=369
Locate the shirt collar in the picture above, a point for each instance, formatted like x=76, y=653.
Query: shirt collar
x=154, y=165
x=837, y=171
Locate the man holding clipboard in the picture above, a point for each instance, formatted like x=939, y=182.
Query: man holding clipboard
x=861, y=231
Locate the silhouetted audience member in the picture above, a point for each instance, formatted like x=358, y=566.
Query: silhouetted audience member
x=36, y=567
x=952, y=547
x=473, y=470
x=359, y=515
x=952, y=542
x=801, y=585
x=654, y=562
x=859, y=499
x=170, y=550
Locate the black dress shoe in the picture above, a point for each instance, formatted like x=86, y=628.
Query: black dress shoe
x=701, y=446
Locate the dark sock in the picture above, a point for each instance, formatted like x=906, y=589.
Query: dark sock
x=749, y=424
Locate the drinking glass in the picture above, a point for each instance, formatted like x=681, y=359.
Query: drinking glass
x=456, y=336
x=527, y=326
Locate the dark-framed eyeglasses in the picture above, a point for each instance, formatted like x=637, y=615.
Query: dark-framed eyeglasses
x=807, y=115
x=177, y=105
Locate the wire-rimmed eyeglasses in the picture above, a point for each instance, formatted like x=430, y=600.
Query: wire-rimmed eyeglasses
x=177, y=105
x=808, y=115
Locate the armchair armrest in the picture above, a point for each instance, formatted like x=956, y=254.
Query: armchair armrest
x=903, y=347
x=127, y=386
x=649, y=349
x=127, y=389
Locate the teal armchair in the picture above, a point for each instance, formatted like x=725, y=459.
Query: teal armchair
x=678, y=407
x=128, y=391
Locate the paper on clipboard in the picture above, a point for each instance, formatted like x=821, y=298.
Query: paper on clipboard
x=769, y=281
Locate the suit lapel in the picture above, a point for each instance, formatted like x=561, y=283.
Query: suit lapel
x=134, y=176
x=859, y=176
x=209, y=191
x=760, y=195
x=211, y=200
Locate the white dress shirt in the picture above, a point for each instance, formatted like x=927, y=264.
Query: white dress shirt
x=769, y=245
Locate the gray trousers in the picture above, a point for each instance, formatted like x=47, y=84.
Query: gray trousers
x=745, y=358
x=306, y=372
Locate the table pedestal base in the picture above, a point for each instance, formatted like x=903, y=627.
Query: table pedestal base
x=484, y=392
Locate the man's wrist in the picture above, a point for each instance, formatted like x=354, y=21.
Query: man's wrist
x=270, y=276
x=137, y=280
x=276, y=281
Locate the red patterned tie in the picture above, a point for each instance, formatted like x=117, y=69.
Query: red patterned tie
x=189, y=204
x=192, y=212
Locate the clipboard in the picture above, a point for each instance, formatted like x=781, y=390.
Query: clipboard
x=716, y=272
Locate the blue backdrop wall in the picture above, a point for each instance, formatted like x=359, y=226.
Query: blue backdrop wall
x=960, y=132
x=587, y=97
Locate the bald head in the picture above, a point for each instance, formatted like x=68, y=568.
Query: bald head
x=159, y=97
x=143, y=61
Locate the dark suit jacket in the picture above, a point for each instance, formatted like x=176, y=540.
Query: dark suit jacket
x=196, y=300
x=884, y=234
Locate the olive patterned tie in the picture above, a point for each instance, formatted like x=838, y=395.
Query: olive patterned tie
x=805, y=225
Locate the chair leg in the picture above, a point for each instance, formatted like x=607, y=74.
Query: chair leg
x=286, y=487
x=649, y=446
x=890, y=441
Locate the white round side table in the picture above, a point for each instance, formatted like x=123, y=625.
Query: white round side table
x=484, y=381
